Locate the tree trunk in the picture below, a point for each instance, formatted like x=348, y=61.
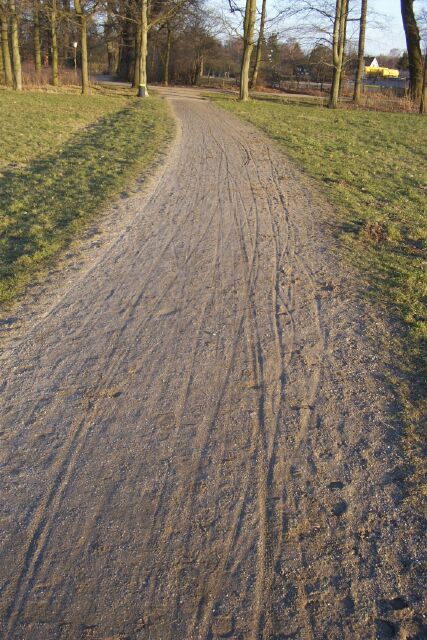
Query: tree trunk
x=360, y=54
x=344, y=58
x=259, y=46
x=112, y=58
x=126, y=44
x=85, y=65
x=2, y=75
x=167, y=57
x=248, y=45
x=415, y=58
x=338, y=42
x=65, y=27
x=142, y=88
x=111, y=44
x=423, y=103
x=135, y=82
x=16, y=56
x=333, y=98
x=37, y=42
x=7, y=65
x=85, y=68
x=53, y=31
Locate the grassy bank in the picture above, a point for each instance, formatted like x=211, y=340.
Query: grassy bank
x=372, y=167
x=62, y=157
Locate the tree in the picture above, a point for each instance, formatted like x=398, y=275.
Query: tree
x=110, y=36
x=259, y=46
x=248, y=45
x=16, y=56
x=53, y=19
x=127, y=45
x=80, y=8
x=415, y=59
x=167, y=54
x=142, y=87
x=338, y=44
x=135, y=81
x=320, y=65
x=165, y=11
x=1, y=60
x=423, y=102
x=36, y=37
x=360, y=53
x=7, y=65
x=403, y=63
x=423, y=30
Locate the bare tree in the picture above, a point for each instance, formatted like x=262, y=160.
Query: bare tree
x=423, y=30
x=248, y=45
x=110, y=39
x=2, y=79
x=16, y=55
x=259, y=46
x=53, y=19
x=135, y=82
x=167, y=54
x=338, y=44
x=423, y=102
x=143, y=47
x=36, y=37
x=414, y=49
x=84, y=10
x=167, y=10
x=360, y=53
x=7, y=65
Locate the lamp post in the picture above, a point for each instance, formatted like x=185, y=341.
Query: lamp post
x=75, y=56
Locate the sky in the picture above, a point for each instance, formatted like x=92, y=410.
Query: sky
x=384, y=29
x=391, y=34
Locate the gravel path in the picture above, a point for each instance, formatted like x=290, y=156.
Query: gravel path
x=198, y=440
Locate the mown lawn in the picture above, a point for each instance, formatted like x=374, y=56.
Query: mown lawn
x=372, y=167
x=62, y=156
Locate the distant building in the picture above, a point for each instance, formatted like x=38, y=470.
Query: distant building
x=371, y=62
x=373, y=70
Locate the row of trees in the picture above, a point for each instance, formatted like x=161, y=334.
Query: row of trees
x=180, y=37
x=27, y=25
x=52, y=30
x=338, y=15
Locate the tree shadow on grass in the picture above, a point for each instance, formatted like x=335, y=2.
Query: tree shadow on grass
x=46, y=202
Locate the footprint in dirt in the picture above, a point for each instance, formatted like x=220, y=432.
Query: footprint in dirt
x=339, y=508
x=333, y=486
x=347, y=605
x=395, y=604
x=385, y=630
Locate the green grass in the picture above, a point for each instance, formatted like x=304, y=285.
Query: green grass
x=36, y=123
x=62, y=157
x=372, y=167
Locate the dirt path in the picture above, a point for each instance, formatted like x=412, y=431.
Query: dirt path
x=198, y=441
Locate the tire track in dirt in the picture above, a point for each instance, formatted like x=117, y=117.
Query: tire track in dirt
x=195, y=436
x=185, y=504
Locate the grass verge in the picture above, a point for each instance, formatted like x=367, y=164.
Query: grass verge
x=62, y=156
x=372, y=168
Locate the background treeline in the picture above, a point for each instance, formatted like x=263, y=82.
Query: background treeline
x=182, y=41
